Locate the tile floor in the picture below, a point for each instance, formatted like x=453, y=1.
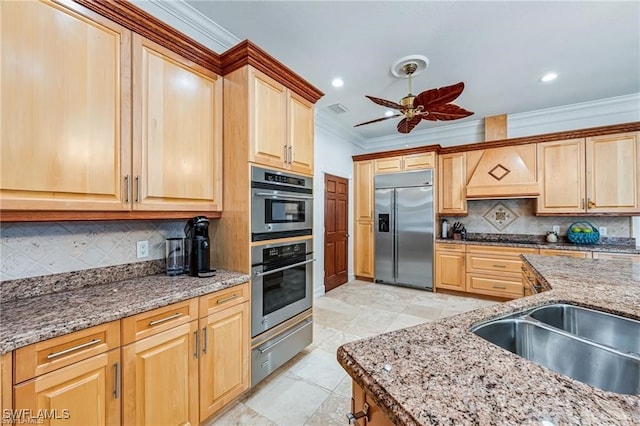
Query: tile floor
x=312, y=388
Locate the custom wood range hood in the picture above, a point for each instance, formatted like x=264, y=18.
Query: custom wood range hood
x=504, y=172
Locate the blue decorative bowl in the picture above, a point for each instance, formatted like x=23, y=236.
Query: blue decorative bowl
x=583, y=237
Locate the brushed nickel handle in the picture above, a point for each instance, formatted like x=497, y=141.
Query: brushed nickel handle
x=353, y=417
x=116, y=389
x=75, y=348
x=196, y=333
x=499, y=266
x=286, y=160
x=582, y=203
x=169, y=318
x=290, y=154
x=226, y=299
x=137, y=200
x=127, y=189
x=500, y=287
x=205, y=334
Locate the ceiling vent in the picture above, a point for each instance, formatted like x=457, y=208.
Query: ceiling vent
x=338, y=108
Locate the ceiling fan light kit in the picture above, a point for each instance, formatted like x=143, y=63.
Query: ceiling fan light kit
x=432, y=104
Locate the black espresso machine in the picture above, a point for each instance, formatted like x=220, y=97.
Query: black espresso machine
x=198, y=247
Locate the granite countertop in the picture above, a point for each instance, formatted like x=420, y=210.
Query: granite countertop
x=612, y=248
x=441, y=373
x=33, y=319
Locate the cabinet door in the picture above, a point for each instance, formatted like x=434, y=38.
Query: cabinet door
x=84, y=393
x=388, y=165
x=450, y=270
x=160, y=378
x=177, y=148
x=224, y=363
x=65, y=116
x=364, y=249
x=613, y=173
x=300, y=154
x=418, y=161
x=363, y=184
x=267, y=134
x=452, y=184
x=6, y=399
x=561, y=174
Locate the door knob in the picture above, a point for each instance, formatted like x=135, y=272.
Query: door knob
x=346, y=235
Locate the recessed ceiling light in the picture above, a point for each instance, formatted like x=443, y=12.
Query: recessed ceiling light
x=550, y=76
x=337, y=82
x=389, y=113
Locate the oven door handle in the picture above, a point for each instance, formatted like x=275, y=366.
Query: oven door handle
x=261, y=274
x=295, y=197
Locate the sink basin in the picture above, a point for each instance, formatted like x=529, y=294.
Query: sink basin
x=611, y=330
x=588, y=362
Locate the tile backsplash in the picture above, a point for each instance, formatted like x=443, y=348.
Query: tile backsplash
x=521, y=219
x=34, y=249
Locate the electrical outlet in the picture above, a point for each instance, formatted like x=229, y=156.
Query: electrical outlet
x=603, y=231
x=556, y=229
x=142, y=249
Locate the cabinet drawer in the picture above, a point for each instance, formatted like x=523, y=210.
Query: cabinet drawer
x=388, y=165
x=149, y=323
x=223, y=299
x=566, y=253
x=501, y=250
x=493, y=263
x=619, y=256
x=459, y=248
x=502, y=286
x=43, y=357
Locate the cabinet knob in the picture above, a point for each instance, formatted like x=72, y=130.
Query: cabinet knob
x=590, y=204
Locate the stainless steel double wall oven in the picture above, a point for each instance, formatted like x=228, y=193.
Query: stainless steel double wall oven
x=282, y=271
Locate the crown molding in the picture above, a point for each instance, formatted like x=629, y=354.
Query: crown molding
x=326, y=123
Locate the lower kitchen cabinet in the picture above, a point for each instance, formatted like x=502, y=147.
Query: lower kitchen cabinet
x=374, y=417
x=6, y=369
x=619, y=256
x=566, y=253
x=364, y=251
x=160, y=378
x=450, y=267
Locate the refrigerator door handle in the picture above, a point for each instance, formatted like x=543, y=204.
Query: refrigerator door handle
x=394, y=236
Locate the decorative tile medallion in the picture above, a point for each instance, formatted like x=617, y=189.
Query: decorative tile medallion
x=500, y=216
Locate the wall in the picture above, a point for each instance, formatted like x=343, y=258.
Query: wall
x=34, y=249
x=520, y=214
x=332, y=154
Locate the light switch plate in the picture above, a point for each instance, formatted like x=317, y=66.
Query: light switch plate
x=142, y=249
x=603, y=231
x=556, y=229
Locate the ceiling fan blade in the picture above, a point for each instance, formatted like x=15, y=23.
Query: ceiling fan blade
x=378, y=119
x=384, y=102
x=406, y=125
x=440, y=96
x=446, y=112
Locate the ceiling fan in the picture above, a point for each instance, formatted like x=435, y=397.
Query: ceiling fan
x=432, y=104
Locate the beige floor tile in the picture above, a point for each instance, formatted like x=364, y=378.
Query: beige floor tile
x=320, y=368
x=333, y=411
x=344, y=387
x=404, y=321
x=332, y=344
x=288, y=400
x=321, y=334
x=333, y=319
x=239, y=414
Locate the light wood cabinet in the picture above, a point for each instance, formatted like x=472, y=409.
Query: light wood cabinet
x=364, y=249
x=402, y=163
x=618, y=256
x=566, y=253
x=598, y=175
x=224, y=357
x=177, y=128
x=364, y=223
x=280, y=125
x=452, y=184
x=363, y=185
x=450, y=267
x=375, y=416
x=66, y=110
x=6, y=382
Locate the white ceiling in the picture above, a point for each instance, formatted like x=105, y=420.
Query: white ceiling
x=499, y=50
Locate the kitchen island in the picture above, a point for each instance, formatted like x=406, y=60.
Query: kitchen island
x=442, y=373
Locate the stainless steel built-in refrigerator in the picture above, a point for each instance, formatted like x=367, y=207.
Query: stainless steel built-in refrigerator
x=404, y=229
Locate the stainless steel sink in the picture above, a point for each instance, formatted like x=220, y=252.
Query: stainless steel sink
x=581, y=359
x=611, y=330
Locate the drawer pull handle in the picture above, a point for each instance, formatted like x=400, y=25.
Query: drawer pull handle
x=116, y=389
x=169, y=318
x=500, y=287
x=197, y=336
x=499, y=266
x=75, y=348
x=226, y=299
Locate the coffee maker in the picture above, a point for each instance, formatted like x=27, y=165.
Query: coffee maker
x=198, y=247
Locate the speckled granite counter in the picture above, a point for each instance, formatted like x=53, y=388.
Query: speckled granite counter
x=610, y=248
x=441, y=373
x=29, y=320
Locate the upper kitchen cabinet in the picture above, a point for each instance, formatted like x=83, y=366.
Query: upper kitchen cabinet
x=505, y=172
x=281, y=134
x=66, y=118
x=177, y=128
x=452, y=181
x=598, y=174
x=400, y=163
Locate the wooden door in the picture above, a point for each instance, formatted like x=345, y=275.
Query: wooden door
x=561, y=174
x=84, y=393
x=450, y=268
x=336, y=227
x=177, y=126
x=452, y=184
x=160, y=378
x=224, y=362
x=613, y=173
x=364, y=249
x=267, y=131
x=300, y=155
x=65, y=135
